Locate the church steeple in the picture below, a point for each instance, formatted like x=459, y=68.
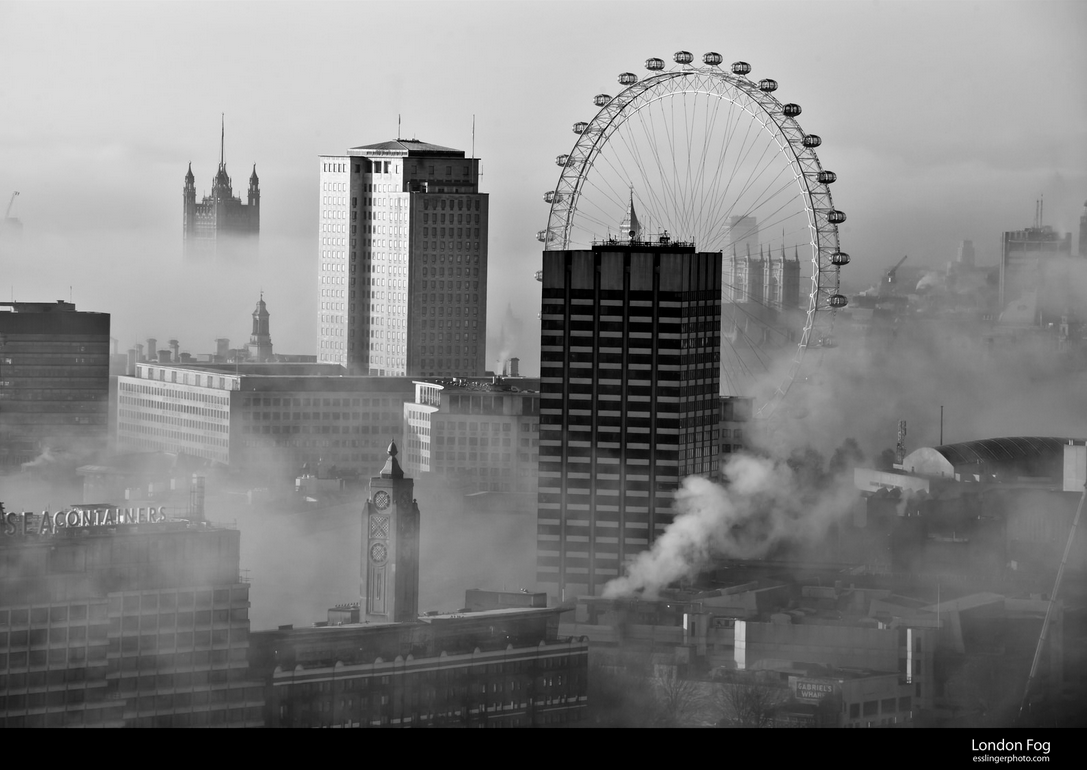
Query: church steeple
x=260, y=342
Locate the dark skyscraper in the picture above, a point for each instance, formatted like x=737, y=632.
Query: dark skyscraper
x=54, y=380
x=221, y=226
x=629, y=401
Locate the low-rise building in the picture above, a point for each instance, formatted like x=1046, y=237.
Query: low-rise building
x=478, y=435
x=122, y=617
x=271, y=417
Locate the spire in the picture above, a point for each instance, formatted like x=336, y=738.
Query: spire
x=253, y=177
x=630, y=227
x=189, y=175
x=392, y=469
x=222, y=141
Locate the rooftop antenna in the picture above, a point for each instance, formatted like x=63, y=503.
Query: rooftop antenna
x=222, y=140
x=473, y=137
x=398, y=126
x=1041, y=210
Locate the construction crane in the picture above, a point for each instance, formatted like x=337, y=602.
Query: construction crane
x=11, y=203
x=889, y=278
x=10, y=227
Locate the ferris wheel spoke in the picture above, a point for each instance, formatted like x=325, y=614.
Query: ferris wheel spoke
x=705, y=214
x=710, y=156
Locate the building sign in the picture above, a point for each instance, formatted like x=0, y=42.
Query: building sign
x=813, y=690
x=76, y=517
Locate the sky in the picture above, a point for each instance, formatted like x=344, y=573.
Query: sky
x=943, y=121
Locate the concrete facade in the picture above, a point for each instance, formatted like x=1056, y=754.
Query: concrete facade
x=481, y=437
x=629, y=402
x=403, y=280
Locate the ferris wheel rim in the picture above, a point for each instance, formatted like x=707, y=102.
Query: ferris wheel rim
x=785, y=131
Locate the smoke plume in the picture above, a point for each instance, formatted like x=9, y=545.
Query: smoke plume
x=766, y=503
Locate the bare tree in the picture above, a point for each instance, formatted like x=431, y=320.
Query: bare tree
x=749, y=704
x=679, y=702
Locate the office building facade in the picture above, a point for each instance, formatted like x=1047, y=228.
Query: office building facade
x=272, y=417
x=1031, y=272
x=403, y=255
x=629, y=401
x=122, y=618
x=54, y=380
x=480, y=437
x=497, y=668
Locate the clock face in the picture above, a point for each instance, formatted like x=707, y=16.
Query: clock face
x=378, y=553
x=382, y=500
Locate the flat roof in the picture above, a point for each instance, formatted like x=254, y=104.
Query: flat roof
x=402, y=147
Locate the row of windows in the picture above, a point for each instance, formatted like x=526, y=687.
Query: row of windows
x=440, y=246
x=375, y=402
x=326, y=416
x=874, y=708
x=442, y=203
x=439, y=232
x=460, y=220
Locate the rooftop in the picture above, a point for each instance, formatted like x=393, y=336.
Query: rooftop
x=400, y=147
x=1019, y=451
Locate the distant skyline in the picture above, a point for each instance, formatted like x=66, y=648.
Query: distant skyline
x=944, y=122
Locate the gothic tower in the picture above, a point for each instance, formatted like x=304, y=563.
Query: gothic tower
x=254, y=200
x=188, y=195
x=389, y=574
x=220, y=226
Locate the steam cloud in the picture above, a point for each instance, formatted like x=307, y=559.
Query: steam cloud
x=766, y=503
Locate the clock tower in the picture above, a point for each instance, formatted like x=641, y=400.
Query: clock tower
x=389, y=579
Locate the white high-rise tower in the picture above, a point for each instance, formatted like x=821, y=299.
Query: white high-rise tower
x=403, y=281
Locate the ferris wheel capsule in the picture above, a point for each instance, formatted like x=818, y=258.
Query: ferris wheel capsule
x=561, y=160
x=628, y=79
x=541, y=236
x=812, y=141
x=551, y=196
x=683, y=57
x=839, y=259
x=768, y=85
x=791, y=110
x=835, y=217
x=838, y=300
x=654, y=64
x=601, y=99
x=712, y=59
x=580, y=126
x=826, y=177
x=740, y=68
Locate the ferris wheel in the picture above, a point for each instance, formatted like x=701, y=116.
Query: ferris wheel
x=704, y=154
